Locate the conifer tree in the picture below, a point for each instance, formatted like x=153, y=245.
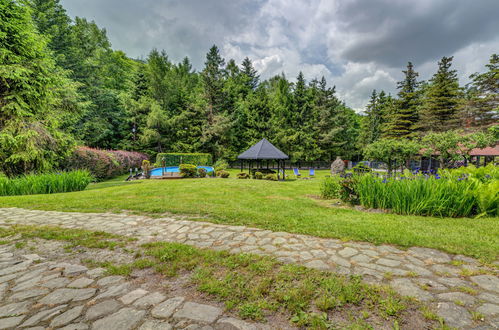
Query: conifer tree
x=213, y=81
x=404, y=119
x=482, y=108
x=250, y=73
x=443, y=97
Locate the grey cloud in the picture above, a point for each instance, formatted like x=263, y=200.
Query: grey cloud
x=357, y=44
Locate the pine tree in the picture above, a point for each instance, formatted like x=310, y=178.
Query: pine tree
x=213, y=81
x=250, y=73
x=440, y=109
x=482, y=108
x=404, y=119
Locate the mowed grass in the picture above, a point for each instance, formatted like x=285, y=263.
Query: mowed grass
x=291, y=206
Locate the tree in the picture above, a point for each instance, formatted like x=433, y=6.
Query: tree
x=482, y=108
x=404, y=119
x=251, y=75
x=442, y=100
x=213, y=81
x=392, y=151
x=454, y=145
x=31, y=96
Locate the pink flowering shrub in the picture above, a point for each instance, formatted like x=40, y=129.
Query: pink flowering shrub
x=105, y=164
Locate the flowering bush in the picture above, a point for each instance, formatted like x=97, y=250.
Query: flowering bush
x=104, y=164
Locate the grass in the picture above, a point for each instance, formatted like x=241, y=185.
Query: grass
x=74, y=237
x=45, y=183
x=251, y=286
x=290, y=206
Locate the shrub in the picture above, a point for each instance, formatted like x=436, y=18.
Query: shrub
x=223, y=174
x=361, y=168
x=330, y=188
x=258, y=175
x=146, y=168
x=211, y=173
x=348, y=192
x=220, y=165
x=104, y=164
x=202, y=172
x=242, y=175
x=45, y=183
x=271, y=177
x=175, y=159
x=188, y=170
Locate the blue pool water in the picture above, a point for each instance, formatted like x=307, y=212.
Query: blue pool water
x=174, y=169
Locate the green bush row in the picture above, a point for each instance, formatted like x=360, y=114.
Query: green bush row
x=175, y=159
x=45, y=183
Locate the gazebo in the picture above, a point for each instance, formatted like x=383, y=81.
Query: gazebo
x=264, y=150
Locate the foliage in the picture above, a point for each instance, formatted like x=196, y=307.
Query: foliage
x=330, y=187
x=453, y=145
x=175, y=159
x=348, y=190
x=34, y=97
x=223, y=174
x=220, y=165
x=392, y=151
x=146, y=168
x=271, y=177
x=45, y=183
x=202, y=172
x=243, y=175
x=258, y=175
x=361, y=168
x=104, y=164
x=442, y=101
x=404, y=119
x=188, y=170
x=428, y=195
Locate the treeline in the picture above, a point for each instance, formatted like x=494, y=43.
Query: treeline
x=61, y=84
x=437, y=105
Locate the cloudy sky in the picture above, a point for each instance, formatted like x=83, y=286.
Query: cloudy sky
x=359, y=45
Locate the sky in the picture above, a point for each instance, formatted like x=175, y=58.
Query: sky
x=358, y=45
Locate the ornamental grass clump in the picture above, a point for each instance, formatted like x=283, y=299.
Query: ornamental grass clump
x=45, y=183
x=449, y=193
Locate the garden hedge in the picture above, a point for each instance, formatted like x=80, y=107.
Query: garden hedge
x=105, y=164
x=175, y=159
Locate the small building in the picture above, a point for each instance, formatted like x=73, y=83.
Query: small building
x=264, y=151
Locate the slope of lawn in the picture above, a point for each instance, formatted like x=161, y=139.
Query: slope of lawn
x=290, y=206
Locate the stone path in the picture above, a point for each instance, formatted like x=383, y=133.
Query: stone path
x=46, y=295
x=458, y=287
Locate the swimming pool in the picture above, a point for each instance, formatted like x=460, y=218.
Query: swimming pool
x=174, y=169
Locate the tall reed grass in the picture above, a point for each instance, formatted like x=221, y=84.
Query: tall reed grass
x=461, y=192
x=45, y=183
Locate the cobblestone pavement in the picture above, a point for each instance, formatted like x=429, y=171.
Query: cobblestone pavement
x=458, y=287
x=46, y=295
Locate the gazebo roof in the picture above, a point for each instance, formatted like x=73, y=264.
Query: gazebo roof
x=263, y=150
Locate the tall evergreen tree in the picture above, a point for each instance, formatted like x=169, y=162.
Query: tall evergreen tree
x=404, y=119
x=213, y=81
x=32, y=91
x=440, y=109
x=482, y=108
x=250, y=73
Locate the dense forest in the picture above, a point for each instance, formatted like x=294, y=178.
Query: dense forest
x=62, y=84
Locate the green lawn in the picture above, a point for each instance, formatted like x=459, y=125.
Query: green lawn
x=289, y=206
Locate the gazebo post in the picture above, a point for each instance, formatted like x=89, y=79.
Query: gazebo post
x=241, y=162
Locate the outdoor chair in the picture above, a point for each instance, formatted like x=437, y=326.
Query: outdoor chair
x=311, y=172
x=296, y=172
